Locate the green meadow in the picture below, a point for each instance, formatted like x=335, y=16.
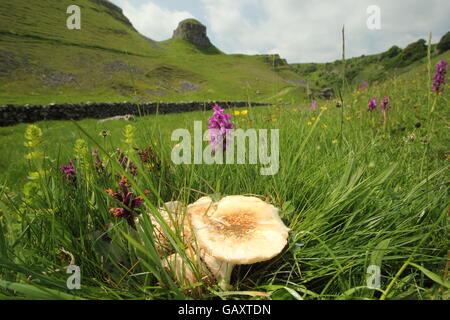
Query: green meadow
x=355, y=187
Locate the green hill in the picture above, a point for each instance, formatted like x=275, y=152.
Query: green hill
x=370, y=68
x=42, y=61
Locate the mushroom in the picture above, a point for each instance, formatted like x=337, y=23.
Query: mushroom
x=201, y=268
x=187, y=274
x=236, y=230
x=173, y=213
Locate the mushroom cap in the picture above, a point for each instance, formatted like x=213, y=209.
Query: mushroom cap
x=238, y=229
x=183, y=272
x=201, y=268
x=173, y=213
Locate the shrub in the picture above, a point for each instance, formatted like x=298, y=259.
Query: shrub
x=413, y=52
x=444, y=44
x=391, y=53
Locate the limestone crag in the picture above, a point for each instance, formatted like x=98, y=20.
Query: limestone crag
x=192, y=31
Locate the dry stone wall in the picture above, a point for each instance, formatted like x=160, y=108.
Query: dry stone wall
x=14, y=114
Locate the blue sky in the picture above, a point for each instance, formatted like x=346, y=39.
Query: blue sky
x=301, y=31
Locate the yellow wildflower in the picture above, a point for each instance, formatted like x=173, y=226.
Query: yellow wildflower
x=81, y=149
x=128, y=133
x=33, y=134
x=244, y=112
x=325, y=126
x=309, y=123
x=37, y=174
x=34, y=155
x=236, y=113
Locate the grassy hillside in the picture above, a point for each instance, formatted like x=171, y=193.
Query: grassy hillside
x=370, y=68
x=41, y=61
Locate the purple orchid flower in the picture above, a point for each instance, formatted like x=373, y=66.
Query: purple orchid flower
x=69, y=172
x=126, y=163
x=385, y=104
x=372, y=104
x=220, y=128
x=439, y=80
x=129, y=204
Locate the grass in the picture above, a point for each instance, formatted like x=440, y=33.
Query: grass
x=356, y=188
x=93, y=64
x=355, y=191
x=366, y=68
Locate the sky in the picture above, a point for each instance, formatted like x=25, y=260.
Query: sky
x=298, y=30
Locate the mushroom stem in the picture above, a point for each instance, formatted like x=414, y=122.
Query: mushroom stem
x=220, y=270
x=224, y=276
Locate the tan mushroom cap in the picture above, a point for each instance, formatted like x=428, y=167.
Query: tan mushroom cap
x=173, y=214
x=184, y=272
x=207, y=269
x=238, y=229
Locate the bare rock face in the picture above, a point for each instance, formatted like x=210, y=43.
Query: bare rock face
x=193, y=31
x=326, y=93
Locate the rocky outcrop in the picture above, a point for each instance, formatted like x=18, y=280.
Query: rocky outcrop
x=192, y=31
x=274, y=60
x=326, y=93
x=14, y=114
x=113, y=10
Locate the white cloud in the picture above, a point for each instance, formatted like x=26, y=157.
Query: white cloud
x=311, y=30
x=301, y=31
x=152, y=20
